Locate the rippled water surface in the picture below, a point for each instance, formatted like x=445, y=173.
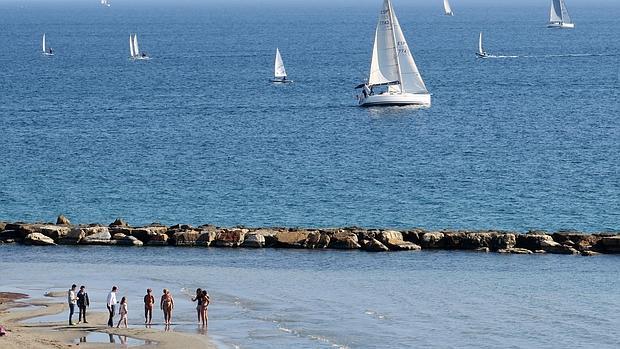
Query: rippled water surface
x=198, y=134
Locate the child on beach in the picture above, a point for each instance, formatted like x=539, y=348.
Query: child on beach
x=149, y=300
x=198, y=299
x=122, y=312
x=167, y=304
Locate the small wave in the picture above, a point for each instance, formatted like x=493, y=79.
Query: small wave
x=565, y=55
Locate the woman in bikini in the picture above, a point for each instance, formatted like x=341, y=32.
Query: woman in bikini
x=167, y=304
x=198, y=299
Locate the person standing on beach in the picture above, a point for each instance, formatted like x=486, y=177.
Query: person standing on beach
x=206, y=300
x=149, y=300
x=111, y=304
x=198, y=299
x=72, y=300
x=123, y=313
x=82, y=303
x=167, y=304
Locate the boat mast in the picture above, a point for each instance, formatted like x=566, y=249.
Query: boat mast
x=400, y=75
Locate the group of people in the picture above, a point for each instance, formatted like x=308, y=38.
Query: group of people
x=166, y=304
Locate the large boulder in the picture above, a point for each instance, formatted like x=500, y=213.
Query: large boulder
x=62, y=220
x=394, y=241
x=254, y=240
x=78, y=233
x=38, y=239
x=317, y=239
x=230, y=237
x=535, y=241
x=206, y=238
x=291, y=239
x=344, y=240
x=373, y=245
x=432, y=240
x=609, y=244
x=515, y=250
x=128, y=241
x=54, y=231
x=157, y=239
x=119, y=222
x=96, y=236
x=185, y=237
x=503, y=241
x=145, y=234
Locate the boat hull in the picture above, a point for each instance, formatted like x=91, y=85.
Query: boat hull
x=561, y=25
x=479, y=55
x=47, y=54
x=280, y=81
x=140, y=58
x=387, y=99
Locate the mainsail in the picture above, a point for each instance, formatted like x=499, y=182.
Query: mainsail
x=279, y=71
x=565, y=15
x=135, y=45
x=447, y=8
x=480, y=49
x=43, y=43
x=131, y=50
x=392, y=62
x=559, y=12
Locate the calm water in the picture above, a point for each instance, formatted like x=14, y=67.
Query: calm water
x=325, y=299
x=198, y=135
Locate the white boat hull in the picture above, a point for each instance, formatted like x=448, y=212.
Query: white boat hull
x=561, y=25
x=422, y=99
x=47, y=54
x=140, y=58
x=280, y=81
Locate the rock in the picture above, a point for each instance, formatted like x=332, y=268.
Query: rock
x=503, y=241
x=119, y=222
x=157, y=239
x=344, y=240
x=102, y=237
x=75, y=235
x=62, y=220
x=515, y=250
x=394, y=241
x=589, y=253
x=610, y=244
x=540, y=251
x=38, y=239
x=254, y=240
x=120, y=236
x=432, y=240
x=535, y=241
x=145, y=234
x=206, y=238
x=482, y=249
x=128, y=241
x=230, y=237
x=185, y=237
x=477, y=240
x=54, y=231
x=414, y=235
x=78, y=233
x=317, y=239
x=374, y=245
x=289, y=239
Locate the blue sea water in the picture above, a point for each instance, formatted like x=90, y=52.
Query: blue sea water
x=198, y=134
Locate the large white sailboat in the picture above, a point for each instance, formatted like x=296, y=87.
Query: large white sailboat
x=392, y=68
x=134, y=51
x=447, y=9
x=279, y=74
x=559, y=17
x=46, y=51
x=481, y=52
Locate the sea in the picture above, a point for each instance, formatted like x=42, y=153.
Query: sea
x=528, y=139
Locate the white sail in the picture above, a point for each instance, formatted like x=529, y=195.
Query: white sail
x=480, y=49
x=384, y=64
x=135, y=45
x=131, y=50
x=410, y=79
x=43, y=43
x=564, y=12
x=447, y=8
x=279, y=71
x=555, y=14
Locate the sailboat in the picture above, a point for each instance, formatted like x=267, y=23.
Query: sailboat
x=105, y=3
x=46, y=51
x=392, y=68
x=559, y=17
x=447, y=8
x=134, y=50
x=481, y=52
x=279, y=71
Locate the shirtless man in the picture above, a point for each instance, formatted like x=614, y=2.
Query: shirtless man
x=149, y=300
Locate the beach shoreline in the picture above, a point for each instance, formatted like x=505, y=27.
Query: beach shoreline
x=56, y=335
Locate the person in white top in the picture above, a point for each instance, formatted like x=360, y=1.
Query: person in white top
x=111, y=304
x=72, y=300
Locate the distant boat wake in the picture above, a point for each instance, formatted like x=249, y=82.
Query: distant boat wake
x=553, y=56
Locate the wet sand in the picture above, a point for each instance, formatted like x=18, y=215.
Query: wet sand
x=46, y=335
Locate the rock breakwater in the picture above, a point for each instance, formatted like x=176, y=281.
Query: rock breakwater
x=348, y=238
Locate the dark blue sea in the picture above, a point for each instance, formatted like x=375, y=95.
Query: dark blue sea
x=198, y=134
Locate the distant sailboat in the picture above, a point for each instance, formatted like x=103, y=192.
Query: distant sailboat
x=46, y=51
x=481, y=52
x=134, y=51
x=279, y=71
x=559, y=17
x=105, y=3
x=392, y=67
x=447, y=8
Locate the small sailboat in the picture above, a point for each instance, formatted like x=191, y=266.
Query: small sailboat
x=559, y=17
x=392, y=68
x=279, y=71
x=134, y=50
x=46, y=51
x=447, y=9
x=105, y=3
x=481, y=52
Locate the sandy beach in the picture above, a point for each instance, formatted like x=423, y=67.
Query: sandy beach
x=15, y=308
